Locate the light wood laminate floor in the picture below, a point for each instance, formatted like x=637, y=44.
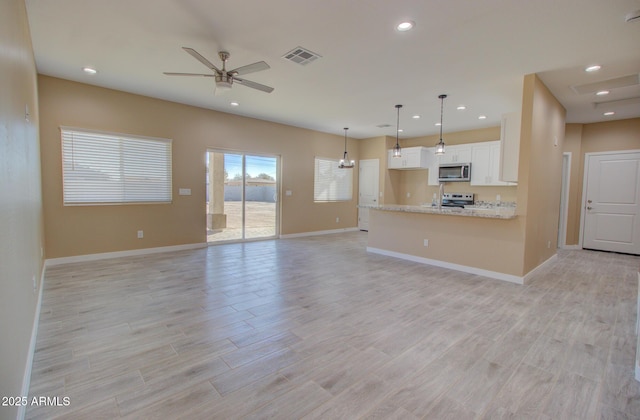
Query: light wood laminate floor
x=317, y=328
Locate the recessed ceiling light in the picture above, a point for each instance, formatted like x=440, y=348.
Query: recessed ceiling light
x=416, y=117
x=89, y=70
x=461, y=108
x=400, y=130
x=234, y=104
x=437, y=124
x=609, y=113
x=602, y=92
x=482, y=117
x=405, y=26
x=593, y=68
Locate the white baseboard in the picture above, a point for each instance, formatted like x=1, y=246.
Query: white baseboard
x=458, y=267
x=533, y=272
x=26, y=379
x=107, y=255
x=571, y=247
x=318, y=232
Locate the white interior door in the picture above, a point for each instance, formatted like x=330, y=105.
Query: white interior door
x=612, y=202
x=368, y=185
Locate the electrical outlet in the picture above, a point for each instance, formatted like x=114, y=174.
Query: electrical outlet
x=35, y=284
x=140, y=234
x=549, y=244
x=426, y=242
x=408, y=195
x=337, y=220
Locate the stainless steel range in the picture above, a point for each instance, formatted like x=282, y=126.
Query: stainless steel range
x=457, y=200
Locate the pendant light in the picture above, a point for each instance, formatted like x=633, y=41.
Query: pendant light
x=345, y=163
x=396, y=149
x=440, y=145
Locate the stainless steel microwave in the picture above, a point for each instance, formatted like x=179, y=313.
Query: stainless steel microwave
x=454, y=172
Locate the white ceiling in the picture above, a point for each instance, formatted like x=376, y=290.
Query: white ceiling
x=477, y=52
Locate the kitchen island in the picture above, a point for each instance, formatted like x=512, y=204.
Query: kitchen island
x=483, y=241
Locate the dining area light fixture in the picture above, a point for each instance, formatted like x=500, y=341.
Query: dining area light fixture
x=345, y=162
x=440, y=146
x=397, y=152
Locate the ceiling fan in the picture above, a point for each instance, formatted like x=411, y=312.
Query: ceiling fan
x=225, y=78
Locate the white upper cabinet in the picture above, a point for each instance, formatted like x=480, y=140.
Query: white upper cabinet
x=485, y=164
x=459, y=153
x=412, y=158
x=433, y=168
x=510, y=147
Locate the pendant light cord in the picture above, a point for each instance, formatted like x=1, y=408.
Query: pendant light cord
x=398, y=125
x=441, y=113
x=345, y=142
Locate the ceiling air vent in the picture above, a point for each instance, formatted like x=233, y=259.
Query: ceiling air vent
x=624, y=81
x=383, y=125
x=618, y=103
x=301, y=56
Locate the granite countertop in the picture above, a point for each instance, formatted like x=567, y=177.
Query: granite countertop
x=472, y=211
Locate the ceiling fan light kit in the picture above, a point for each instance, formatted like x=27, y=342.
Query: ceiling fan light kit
x=225, y=78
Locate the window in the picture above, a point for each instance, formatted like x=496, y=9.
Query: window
x=331, y=183
x=109, y=168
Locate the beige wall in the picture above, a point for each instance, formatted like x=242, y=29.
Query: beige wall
x=591, y=138
x=572, y=144
x=83, y=230
x=20, y=202
x=611, y=136
x=540, y=170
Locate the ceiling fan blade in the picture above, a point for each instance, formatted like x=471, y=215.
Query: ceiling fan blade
x=195, y=54
x=188, y=74
x=250, y=68
x=249, y=83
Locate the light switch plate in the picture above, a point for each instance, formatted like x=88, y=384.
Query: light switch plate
x=184, y=191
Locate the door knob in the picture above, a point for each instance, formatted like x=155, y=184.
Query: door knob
x=589, y=208
x=589, y=201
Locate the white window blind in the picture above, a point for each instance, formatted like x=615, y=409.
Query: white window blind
x=331, y=183
x=108, y=168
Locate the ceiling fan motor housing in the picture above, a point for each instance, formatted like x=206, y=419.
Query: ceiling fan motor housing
x=224, y=81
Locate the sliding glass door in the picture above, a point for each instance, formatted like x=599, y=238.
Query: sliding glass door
x=242, y=196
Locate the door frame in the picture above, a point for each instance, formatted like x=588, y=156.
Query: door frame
x=278, y=197
x=564, y=200
x=585, y=173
